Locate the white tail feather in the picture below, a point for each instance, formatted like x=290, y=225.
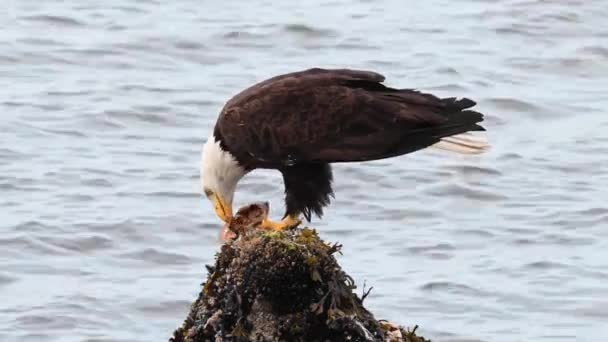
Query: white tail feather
x=464, y=143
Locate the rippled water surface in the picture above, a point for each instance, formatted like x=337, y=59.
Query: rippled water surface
x=105, y=105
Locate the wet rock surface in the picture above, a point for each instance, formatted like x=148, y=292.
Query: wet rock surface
x=282, y=286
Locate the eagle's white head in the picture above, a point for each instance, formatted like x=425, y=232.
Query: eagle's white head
x=219, y=172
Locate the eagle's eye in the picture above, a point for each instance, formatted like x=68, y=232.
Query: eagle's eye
x=208, y=192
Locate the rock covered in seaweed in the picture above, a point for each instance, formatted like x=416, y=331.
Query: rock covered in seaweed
x=282, y=286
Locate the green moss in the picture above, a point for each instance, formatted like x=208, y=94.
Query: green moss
x=307, y=236
x=296, y=330
x=312, y=261
x=273, y=234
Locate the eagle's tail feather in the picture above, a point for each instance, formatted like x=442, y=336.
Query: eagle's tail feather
x=456, y=134
x=464, y=143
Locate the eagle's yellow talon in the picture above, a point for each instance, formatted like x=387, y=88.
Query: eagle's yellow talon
x=287, y=223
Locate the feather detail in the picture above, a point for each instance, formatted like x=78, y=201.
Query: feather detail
x=464, y=143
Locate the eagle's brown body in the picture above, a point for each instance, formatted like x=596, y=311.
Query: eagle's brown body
x=299, y=123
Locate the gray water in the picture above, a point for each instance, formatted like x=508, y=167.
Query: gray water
x=105, y=105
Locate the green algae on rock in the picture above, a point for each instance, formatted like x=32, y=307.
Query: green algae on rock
x=282, y=286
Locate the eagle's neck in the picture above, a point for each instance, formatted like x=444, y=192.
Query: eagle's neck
x=220, y=171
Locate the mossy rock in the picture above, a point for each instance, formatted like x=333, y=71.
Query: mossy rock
x=282, y=286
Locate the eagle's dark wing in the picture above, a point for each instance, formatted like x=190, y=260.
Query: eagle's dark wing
x=322, y=115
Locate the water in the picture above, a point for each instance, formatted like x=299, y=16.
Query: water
x=105, y=106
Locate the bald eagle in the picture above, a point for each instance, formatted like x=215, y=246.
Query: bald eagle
x=301, y=122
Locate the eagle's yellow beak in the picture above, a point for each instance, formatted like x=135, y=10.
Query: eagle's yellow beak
x=223, y=210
